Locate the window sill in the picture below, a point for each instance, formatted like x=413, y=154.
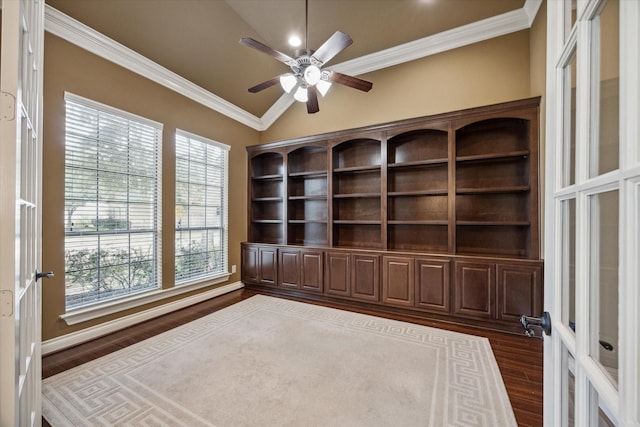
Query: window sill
x=85, y=314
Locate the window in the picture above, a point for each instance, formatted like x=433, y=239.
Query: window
x=112, y=202
x=201, y=208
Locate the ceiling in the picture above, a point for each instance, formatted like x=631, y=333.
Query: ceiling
x=198, y=39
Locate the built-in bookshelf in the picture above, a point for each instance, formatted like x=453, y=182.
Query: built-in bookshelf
x=357, y=193
x=267, y=198
x=417, y=190
x=307, y=180
x=493, y=192
x=436, y=215
x=457, y=184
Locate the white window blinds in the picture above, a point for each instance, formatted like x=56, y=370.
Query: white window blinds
x=112, y=202
x=201, y=247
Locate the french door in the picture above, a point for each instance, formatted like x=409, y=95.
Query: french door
x=20, y=215
x=592, y=216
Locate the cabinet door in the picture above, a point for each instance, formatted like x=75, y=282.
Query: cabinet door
x=398, y=281
x=366, y=277
x=475, y=289
x=433, y=285
x=519, y=291
x=268, y=266
x=249, y=264
x=338, y=274
x=289, y=268
x=312, y=270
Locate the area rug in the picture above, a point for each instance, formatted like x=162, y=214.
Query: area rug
x=272, y=362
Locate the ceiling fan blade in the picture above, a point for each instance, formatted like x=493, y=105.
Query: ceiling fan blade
x=264, y=85
x=312, y=100
x=350, y=81
x=333, y=46
x=254, y=44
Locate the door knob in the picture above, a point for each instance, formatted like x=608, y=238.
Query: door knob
x=543, y=322
x=45, y=275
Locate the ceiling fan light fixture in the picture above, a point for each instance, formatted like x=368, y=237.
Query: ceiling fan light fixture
x=312, y=75
x=307, y=77
x=323, y=87
x=288, y=82
x=295, y=41
x=300, y=94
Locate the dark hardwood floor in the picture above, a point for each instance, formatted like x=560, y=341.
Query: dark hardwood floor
x=519, y=358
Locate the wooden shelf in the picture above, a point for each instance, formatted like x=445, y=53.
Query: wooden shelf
x=496, y=223
x=419, y=163
x=307, y=221
x=356, y=222
x=309, y=174
x=267, y=199
x=492, y=190
x=267, y=177
x=357, y=196
x=356, y=169
x=440, y=192
x=493, y=156
x=424, y=222
x=266, y=221
x=308, y=197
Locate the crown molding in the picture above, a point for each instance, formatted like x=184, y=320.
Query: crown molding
x=75, y=32
x=531, y=8
x=276, y=110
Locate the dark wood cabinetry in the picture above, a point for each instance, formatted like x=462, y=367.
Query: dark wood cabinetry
x=338, y=274
x=300, y=269
x=398, y=281
x=260, y=265
x=475, y=289
x=365, y=277
x=289, y=267
x=312, y=274
x=437, y=215
x=353, y=275
x=519, y=290
x=433, y=285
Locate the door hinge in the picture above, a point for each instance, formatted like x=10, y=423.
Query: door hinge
x=8, y=106
x=6, y=303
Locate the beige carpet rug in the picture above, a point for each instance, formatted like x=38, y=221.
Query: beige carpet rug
x=272, y=362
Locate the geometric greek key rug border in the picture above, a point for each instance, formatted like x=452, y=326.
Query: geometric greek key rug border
x=465, y=387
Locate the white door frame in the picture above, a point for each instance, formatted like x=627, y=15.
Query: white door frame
x=20, y=213
x=622, y=405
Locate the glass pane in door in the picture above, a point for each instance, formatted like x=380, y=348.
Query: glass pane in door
x=603, y=258
x=569, y=137
x=568, y=265
x=570, y=15
x=604, y=153
x=568, y=384
x=599, y=415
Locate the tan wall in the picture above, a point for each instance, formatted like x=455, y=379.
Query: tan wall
x=489, y=72
x=69, y=68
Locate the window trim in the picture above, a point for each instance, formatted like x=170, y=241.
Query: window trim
x=96, y=306
x=225, y=214
x=86, y=313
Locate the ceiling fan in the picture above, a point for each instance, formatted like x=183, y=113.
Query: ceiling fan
x=308, y=77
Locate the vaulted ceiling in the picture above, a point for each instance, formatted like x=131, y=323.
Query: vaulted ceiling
x=198, y=39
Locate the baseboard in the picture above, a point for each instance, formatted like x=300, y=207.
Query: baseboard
x=93, y=332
